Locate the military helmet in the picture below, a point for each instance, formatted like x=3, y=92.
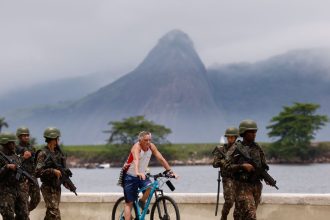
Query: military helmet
x=52, y=133
x=247, y=125
x=22, y=130
x=232, y=131
x=7, y=137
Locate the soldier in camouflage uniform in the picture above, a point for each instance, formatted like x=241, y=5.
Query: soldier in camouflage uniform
x=27, y=152
x=227, y=179
x=14, y=193
x=247, y=182
x=51, y=186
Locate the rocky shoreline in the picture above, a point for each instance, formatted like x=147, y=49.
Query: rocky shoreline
x=76, y=163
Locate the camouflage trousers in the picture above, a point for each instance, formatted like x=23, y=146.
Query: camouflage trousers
x=52, y=197
x=248, y=196
x=229, y=196
x=14, y=202
x=34, y=194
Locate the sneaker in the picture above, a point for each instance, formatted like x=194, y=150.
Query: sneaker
x=142, y=204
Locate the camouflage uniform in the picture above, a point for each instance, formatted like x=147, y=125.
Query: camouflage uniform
x=51, y=186
x=29, y=166
x=14, y=194
x=227, y=180
x=248, y=185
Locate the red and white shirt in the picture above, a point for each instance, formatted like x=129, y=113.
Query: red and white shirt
x=143, y=162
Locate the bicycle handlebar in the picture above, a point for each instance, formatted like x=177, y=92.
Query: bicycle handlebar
x=156, y=176
x=167, y=175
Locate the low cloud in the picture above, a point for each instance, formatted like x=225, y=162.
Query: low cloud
x=43, y=40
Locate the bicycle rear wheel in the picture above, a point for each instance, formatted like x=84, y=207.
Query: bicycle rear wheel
x=118, y=210
x=165, y=208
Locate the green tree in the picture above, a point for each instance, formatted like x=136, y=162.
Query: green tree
x=295, y=127
x=126, y=131
x=3, y=123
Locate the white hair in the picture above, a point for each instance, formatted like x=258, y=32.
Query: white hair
x=143, y=133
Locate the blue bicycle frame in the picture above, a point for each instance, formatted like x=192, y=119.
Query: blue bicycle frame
x=154, y=188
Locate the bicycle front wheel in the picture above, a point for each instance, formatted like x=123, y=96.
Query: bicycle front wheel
x=118, y=210
x=165, y=208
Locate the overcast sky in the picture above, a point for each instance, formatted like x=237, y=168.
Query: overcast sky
x=45, y=40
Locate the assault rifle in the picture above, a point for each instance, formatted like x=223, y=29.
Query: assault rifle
x=19, y=170
x=66, y=173
x=259, y=171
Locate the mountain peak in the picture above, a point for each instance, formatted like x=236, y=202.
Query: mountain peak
x=176, y=36
x=175, y=48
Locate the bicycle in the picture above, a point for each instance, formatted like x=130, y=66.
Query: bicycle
x=164, y=208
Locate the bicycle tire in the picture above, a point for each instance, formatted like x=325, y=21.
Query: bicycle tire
x=118, y=210
x=165, y=208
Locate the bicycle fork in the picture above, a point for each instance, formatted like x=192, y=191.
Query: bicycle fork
x=163, y=213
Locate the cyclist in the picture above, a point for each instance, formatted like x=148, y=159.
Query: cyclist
x=135, y=167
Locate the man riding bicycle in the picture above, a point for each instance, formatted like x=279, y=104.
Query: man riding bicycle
x=135, y=167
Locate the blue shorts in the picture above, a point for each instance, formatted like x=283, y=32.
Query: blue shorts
x=131, y=186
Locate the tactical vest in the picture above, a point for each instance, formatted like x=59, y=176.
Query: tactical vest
x=219, y=160
x=224, y=173
x=48, y=163
x=9, y=179
x=255, y=153
x=29, y=165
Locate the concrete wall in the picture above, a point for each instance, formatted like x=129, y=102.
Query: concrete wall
x=98, y=206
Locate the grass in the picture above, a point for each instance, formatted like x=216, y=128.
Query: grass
x=117, y=154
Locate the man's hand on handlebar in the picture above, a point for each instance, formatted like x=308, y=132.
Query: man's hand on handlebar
x=170, y=174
